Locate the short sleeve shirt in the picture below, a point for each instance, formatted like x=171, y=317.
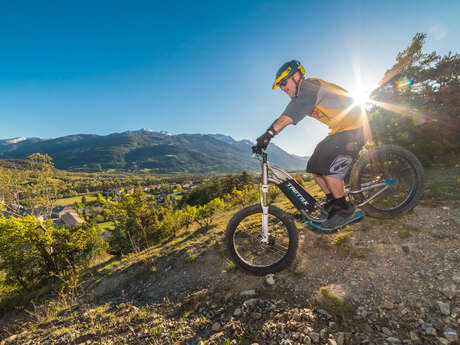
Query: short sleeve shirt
x=305, y=102
x=326, y=102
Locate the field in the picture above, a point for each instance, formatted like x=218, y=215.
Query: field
x=73, y=200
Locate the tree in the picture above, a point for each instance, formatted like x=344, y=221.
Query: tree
x=245, y=196
x=33, y=251
x=417, y=103
x=11, y=188
x=35, y=186
x=134, y=222
x=206, y=212
x=187, y=215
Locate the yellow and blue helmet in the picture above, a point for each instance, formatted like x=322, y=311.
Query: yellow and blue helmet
x=286, y=71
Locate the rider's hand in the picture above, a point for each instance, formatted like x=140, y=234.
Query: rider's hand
x=263, y=141
x=256, y=149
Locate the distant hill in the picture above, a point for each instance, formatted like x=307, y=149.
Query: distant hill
x=149, y=151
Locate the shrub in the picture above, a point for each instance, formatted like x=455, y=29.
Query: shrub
x=216, y=188
x=33, y=252
x=206, y=213
x=139, y=223
x=134, y=221
x=245, y=196
x=273, y=193
x=187, y=215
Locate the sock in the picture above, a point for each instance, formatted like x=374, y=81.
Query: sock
x=329, y=197
x=341, y=202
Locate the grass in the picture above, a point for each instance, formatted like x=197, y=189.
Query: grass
x=334, y=304
x=73, y=200
x=296, y=268
x=343, y=239
x=442, y=184
x=106, y=226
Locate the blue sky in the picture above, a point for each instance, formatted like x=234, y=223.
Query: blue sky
x=195, y=66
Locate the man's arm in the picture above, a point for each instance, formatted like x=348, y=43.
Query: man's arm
x=280, y=123
x=275, y=128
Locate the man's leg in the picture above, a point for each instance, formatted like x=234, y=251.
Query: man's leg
x=335, y=185
x=322, y=183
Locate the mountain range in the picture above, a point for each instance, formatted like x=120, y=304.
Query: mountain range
x=150, y=152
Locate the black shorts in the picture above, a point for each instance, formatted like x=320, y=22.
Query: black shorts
x=335, y=154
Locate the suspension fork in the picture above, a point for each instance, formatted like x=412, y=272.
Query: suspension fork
x=264, y=199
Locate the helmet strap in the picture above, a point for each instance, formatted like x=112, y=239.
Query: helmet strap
x=297, y=85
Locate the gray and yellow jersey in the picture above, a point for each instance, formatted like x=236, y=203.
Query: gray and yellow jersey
x=327, y=103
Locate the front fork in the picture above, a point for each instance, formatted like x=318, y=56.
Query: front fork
x=264, y=202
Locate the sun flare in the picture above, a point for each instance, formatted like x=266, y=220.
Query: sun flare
x=361, y=95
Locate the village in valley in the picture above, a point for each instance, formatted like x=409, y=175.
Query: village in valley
x=77, y=202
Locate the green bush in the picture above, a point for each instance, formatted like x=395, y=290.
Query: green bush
x=245, y=196
x=216, y=188
x=206, y=212
x=32, y=252
x=138, y=222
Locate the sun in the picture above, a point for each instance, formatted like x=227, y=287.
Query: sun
x=361, y=96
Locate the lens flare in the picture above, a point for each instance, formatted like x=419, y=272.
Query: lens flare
x=404, y=84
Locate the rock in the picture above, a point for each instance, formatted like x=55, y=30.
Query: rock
x=388, y=305
x=324, y=313
x=248, y=293
x=340, y=338
x=354, y=283
x=444, y=308
x=392, y=340
x=256, y=316
x=456, y=277
x=216, y=326
x=450, y=334
x=306, y=340
x=314, y=337
x=286, y=342
x=430, y=331
x=413, y=336
x=250, y=302
x=10, y=339
x=270, y=280
x=449, y=289
x=322, y=333
x=443, y=341
x=237, y=312
x=386, y=331
x=331, y=342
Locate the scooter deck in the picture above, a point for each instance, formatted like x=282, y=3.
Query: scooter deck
x=357, y=215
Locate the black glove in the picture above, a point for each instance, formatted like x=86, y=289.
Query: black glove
x=262, y=142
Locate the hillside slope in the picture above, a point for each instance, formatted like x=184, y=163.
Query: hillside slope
x=377, y=282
